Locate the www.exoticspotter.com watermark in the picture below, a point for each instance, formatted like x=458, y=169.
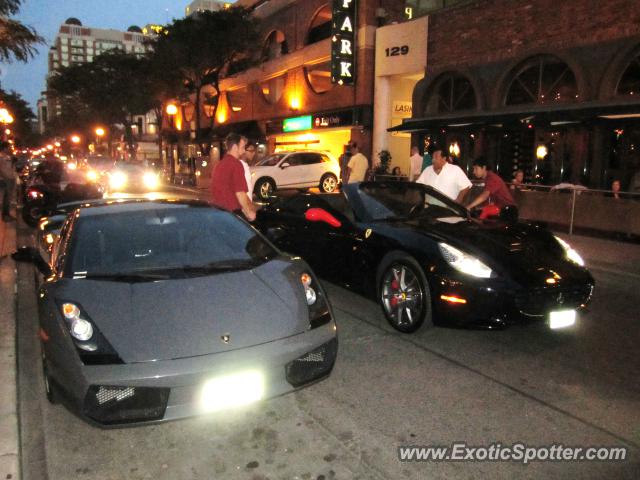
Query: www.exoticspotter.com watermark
x=516, y=452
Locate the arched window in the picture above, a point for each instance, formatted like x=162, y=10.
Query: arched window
x=273, y=89
x=630, y=81
x=320, y=27
x=275, y=46
x=543, y=79
x=237, y=99
x=319, y=77
x=451, y=93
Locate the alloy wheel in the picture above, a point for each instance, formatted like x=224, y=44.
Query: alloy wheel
x=402, y=295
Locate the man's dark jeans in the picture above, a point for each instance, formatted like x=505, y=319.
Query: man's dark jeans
x=7, y=188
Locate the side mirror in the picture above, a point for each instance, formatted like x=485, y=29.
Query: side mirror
x=321, y=215
x=24, y=254
x=285, y=165
x=31, y=255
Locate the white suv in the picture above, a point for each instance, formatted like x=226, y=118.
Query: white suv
x=301, y=169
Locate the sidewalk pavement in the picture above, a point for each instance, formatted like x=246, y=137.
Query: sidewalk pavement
x=9, y=440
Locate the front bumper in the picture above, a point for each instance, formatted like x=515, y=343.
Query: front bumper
x=149, y=392
x=496, y=304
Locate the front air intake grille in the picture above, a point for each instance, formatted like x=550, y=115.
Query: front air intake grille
x=539, y=301
x=312, y=365
x=112, y=405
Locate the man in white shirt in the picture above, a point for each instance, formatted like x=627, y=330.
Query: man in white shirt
x=357, y=166
x=445, y=177
x=246, y=159
x=415, y=164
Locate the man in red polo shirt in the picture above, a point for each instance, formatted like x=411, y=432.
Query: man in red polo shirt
x=228, y=184
x=495, y=190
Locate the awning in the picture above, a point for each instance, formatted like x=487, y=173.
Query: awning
x=550, y=114
x=250, y=129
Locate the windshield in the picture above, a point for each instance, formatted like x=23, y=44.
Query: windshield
x=270, y=161
x=175, y=240
x=401, y=200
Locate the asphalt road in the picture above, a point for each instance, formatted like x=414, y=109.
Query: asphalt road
x=525, y=384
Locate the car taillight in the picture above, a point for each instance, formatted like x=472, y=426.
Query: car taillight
x=34, y=194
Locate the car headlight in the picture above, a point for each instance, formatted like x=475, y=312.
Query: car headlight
x=571, y=254
x=92, y=175
x=464, y=262
x=318, y=307
x=80, y=328
x=118, y=180
x=150, y=180
x=91, y=345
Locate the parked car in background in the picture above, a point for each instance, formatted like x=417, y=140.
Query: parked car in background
x=176, y=335
x=300, y=169
x=52, y=182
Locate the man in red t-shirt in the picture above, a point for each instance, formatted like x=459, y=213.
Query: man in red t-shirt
x=495, y=190
x=228, y=184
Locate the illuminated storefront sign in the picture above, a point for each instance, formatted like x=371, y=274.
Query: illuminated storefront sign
x=333, y=120
x=343, y=42
x=297, y=124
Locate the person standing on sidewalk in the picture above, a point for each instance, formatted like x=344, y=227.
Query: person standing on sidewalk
x=415, y=164
x=247, y=159
x=228, y=184
x=7, y=182
x=357, y=166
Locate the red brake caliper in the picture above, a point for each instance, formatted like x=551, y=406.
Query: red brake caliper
x=395, y=286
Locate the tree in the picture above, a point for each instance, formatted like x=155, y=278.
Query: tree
x=199, y=47
x=112, y=90
x=22, y=117
x=16, y=40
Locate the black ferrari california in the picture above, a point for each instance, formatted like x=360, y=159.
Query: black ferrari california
x=426, y=260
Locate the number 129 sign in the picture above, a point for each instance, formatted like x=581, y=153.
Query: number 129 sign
x=397, y=51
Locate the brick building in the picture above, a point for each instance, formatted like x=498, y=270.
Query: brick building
x=293, y=80
x=549, y=87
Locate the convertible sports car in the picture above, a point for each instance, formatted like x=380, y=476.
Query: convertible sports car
x=144, y=314
x=426, y=260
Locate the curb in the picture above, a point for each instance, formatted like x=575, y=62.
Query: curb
x=9, y=436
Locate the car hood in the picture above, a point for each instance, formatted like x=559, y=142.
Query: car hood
x=182, y=318
x=526, y=253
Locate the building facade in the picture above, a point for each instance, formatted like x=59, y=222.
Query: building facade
x=551, y=88
x=205, y=5
x=289, y=100
x=76, y=43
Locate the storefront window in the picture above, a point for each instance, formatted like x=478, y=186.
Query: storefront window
x=542, y=80
x=319, y=77
x=320, y=27
x=452, y=93
x=630, y=80
x=273, y=89
x=275, y=46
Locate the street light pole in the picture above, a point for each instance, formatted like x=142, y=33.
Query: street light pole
x=172, y=111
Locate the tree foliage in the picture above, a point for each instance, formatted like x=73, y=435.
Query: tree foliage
x=22, y=116
x=16, y=39
x=111, y=90
x=198, y=48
